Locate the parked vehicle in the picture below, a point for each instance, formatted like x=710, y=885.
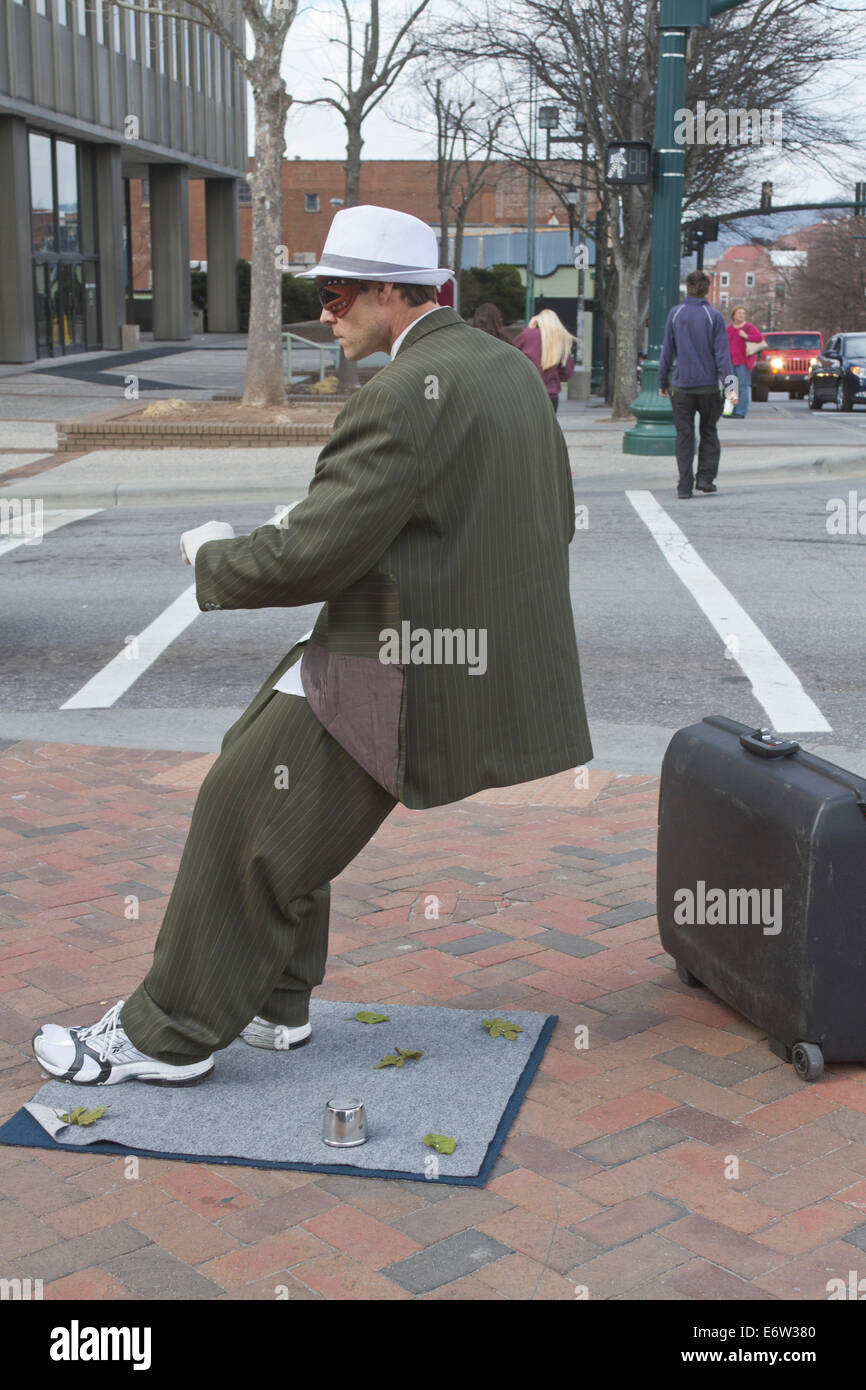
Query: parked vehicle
x=785, y=364
x=839, y=374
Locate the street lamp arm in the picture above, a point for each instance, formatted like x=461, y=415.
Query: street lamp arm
x=719, y=6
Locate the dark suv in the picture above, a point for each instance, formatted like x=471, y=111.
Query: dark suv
x=840, y=373
x=785, y=364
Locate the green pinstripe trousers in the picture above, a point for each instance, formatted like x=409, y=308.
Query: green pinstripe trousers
x=246, y=927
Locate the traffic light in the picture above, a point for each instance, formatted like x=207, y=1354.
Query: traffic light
x=860, y=200
x=766, y=197
x=698, y=233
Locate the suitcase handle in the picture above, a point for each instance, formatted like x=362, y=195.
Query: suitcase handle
x=768, y=745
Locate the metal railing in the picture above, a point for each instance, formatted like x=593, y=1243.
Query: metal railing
x=321, y=348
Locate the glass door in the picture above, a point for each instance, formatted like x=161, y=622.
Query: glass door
x=66, y=286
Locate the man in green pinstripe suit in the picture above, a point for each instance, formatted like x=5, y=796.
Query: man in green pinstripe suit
x=435, y=533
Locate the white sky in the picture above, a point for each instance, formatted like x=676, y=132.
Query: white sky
x=318, y=132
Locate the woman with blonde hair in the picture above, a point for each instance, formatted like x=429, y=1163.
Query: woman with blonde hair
x=548, y=344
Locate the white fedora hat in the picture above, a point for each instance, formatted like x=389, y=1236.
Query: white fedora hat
x=370, y=243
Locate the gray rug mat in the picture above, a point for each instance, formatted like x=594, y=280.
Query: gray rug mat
x=268, y=1107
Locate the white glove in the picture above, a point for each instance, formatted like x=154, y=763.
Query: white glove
x=280, y=517
x=210, y=531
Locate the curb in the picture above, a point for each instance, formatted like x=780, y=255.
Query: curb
x=156, y=494
x=160, y=494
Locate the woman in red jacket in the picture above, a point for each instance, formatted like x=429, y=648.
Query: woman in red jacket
x=741, y=332
x=548, y=344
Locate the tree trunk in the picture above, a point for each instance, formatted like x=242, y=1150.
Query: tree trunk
x=265, y=384
x=354, y=141
x=625, y=357
x=347, y=372
x=444, y=229
x=458, y=241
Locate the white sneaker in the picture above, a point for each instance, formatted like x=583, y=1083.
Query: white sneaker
x=276, y=1036
x=102, y=1055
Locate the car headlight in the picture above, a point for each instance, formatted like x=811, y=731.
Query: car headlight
x=776, y=363
x=859, y=371
x=812, y=361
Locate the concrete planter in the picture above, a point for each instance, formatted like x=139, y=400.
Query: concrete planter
x=122, y=428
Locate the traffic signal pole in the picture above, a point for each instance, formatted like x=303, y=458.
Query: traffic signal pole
x=654, y=433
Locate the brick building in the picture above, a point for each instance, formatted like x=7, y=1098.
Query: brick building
x=314, y=188
x=759, y=277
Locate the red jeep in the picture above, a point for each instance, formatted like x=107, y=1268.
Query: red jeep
x=785, y=364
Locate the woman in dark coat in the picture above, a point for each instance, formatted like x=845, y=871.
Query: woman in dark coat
x=489, y=319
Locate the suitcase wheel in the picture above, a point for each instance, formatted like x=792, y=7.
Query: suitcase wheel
x=808, y=1060
x=688, y=978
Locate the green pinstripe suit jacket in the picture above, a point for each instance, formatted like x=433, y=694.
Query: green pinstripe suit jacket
x=440, y=515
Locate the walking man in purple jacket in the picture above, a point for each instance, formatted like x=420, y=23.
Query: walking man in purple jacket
x=696, y=336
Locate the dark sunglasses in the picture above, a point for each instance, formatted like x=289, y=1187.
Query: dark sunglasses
x=338, y=296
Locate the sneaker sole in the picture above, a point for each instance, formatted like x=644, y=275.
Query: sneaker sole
x=270, y=1047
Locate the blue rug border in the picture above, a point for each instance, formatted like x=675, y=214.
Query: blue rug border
x=22, y=1130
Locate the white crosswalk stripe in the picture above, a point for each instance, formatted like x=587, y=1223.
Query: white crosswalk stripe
x=774, y=684
x=141, y=651
x=123, y=670
x=14, y=521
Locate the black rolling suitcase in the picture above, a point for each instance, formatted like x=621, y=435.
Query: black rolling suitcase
x=761, y=886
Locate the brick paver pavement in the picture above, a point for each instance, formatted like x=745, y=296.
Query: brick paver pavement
x=672, y=1157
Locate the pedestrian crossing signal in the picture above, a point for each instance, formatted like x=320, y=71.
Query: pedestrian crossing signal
x=628, y=161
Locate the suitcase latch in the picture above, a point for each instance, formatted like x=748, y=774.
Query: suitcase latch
x=769, y=745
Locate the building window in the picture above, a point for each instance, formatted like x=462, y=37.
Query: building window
x=160, y=38
x=41, y=193
x=81, y=10
x=311, y=202
x=191, y=52
x=245, y=193
x=41, y=7
x=67, y=195
x=725, y=279
x=750, y=281
x=723, y=300
x=133, y=36
x=62, y=16
x=145, y=193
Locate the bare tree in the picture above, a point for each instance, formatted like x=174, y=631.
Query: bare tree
x=464, y=153
x=828, y=291
x=371, y=71
x=372, y=68
x=269, y=22
x=599, y=57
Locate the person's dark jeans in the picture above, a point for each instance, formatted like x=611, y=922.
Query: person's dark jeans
x=708, y=405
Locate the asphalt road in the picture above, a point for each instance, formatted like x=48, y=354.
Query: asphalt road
x=652, y=658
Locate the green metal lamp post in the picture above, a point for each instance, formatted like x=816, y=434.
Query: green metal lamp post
x=654, y=433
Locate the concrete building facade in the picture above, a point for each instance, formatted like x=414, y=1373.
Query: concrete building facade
x=93, y=97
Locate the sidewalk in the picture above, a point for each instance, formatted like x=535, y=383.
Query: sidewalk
x=768, y=446
x=613, y=1176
